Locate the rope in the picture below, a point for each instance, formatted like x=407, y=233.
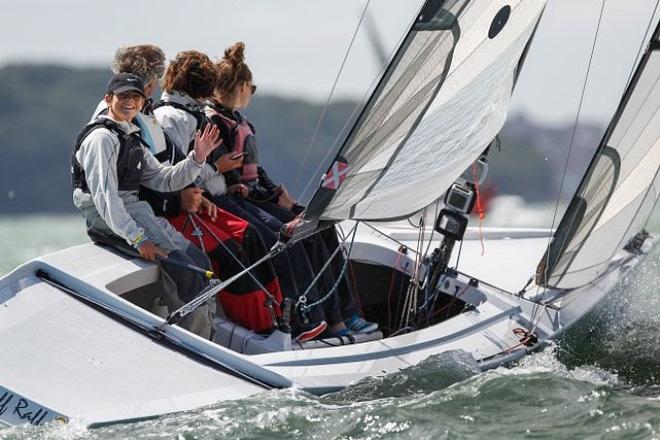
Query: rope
x=400, y=243
x=458, y=258
x=303, y=298
x=192, y=218
x=528, y=337
x=575, y=124
x=410, y=302
x=358, y=105
x=216, y=287
x=400, y=253
x=304, y=308
x=480, y=209
x=453, y=300
x=327, y=103
x=435, y=218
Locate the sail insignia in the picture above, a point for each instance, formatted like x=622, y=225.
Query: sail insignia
x=499, y=21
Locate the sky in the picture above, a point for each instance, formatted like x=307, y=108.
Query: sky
x=296, y=47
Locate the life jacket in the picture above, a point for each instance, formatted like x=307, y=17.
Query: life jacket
x=129, y=159
x=240, y=133
x=199, y=116
x=152, y=134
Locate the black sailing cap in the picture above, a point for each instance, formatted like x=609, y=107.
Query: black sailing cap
x=123, y=82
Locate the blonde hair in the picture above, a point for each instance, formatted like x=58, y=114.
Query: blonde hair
x=144, y=60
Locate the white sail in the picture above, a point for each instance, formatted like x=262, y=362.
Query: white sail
x=444, y=98
x=620, y=189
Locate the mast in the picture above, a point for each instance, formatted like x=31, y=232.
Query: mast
x=619, y=189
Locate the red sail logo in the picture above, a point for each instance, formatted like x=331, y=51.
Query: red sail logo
x=335, y=176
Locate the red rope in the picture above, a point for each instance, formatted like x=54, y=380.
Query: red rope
x=452, y=301
x=480, y=209
x=527, y=339
x=400, y=253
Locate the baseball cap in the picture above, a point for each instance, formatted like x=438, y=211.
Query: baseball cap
x=123, y=82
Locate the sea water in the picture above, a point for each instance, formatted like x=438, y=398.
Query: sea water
x=601, y=380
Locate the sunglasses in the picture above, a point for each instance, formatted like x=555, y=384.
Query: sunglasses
x=253, y=89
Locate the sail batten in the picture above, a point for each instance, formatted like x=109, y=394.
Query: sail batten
x=441, y=101
x=619, y=190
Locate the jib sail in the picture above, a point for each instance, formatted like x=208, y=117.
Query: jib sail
x=619, y=190
x=441, y=101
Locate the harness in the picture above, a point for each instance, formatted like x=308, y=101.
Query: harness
x=240, y=138
x=129, y=158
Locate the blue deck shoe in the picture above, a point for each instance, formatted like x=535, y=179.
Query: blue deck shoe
x=341, y=332
x=357, y=324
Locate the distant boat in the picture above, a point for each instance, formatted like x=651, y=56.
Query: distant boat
x=80, y=337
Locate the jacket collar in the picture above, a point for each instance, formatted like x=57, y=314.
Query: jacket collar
x=180, y=98
x=126, y=126
x=234, y=115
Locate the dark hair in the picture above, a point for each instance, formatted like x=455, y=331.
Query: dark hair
x=232, y=70
x=191, y=72
x=144, y=60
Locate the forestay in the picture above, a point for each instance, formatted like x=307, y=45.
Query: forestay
x=619, y=190
x=441, y=101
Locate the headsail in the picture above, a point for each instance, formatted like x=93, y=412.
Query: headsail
x=619, y=190
x=441, y=101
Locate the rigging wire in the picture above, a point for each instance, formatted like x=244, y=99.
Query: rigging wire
x=645, y=40
x=400, y=243
x=302, y=301
x=574, y=130
x=363, y=100
x=194, y=219
x=640, y=53
x=330, y=95
x=411, y=299
x=435, y=217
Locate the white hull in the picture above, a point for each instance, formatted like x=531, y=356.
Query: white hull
x=69, y=355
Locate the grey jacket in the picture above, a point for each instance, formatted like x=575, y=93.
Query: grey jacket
x=209, y=179
x=180, y=128
x=179, y=125
x=97, y=156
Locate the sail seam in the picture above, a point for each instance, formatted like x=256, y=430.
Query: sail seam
x=456, y=33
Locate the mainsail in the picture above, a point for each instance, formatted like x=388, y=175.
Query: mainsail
x=441, y=101
x=619, y=190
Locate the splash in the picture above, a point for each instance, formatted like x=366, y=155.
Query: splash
x=436, y=372
x=622, y=334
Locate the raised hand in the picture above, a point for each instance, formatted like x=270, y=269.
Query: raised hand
x=206, y=141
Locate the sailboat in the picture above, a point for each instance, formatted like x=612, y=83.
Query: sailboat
x=80, y=337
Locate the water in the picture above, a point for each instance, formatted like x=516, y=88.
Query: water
x=600, y=381
x=25, y=237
